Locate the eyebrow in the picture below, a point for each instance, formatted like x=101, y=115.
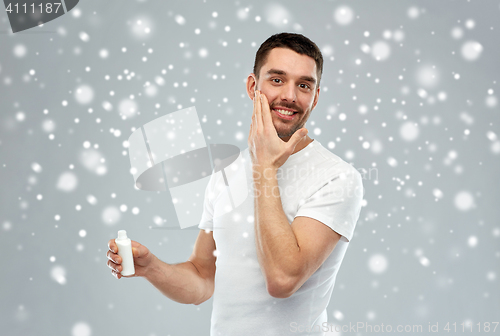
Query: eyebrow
x=281, y=72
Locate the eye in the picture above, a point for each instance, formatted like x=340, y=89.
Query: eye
x=306, y=86
x=274, y=79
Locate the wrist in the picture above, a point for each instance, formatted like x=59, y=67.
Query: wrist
x=151, y=268
x=263, y=172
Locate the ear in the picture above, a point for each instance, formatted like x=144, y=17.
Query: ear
x=316, y=96
x=251, y=85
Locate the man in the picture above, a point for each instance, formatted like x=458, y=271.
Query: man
x=271, y=263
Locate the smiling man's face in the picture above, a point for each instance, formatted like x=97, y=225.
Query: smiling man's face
x=289, y=81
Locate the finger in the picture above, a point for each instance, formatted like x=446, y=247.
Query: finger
x=112, y=246
x=116, y=274
x=250, y=134
x=114, y=267
x=258, y=112
x=266, y=114
x=252, y=124
x=114, y=257
x=253, y=127
x=254, y=113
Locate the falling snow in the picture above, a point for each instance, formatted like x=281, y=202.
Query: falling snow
x=378, y=263
x=67, y=182
x=110, y=215
x=409, y=96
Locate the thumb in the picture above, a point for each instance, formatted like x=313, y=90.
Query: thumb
x=139, y=251
x=297, y=137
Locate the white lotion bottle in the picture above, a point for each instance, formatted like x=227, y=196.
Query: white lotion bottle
x=125, y=252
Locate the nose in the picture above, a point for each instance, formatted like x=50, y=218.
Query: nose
x=288, y=93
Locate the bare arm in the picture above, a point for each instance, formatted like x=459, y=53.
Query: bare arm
x=190, y=282
x=288, y=254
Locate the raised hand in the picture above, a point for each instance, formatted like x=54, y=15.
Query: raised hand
x=267, y=150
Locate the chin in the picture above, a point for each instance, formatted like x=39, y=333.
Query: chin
x=286, y=134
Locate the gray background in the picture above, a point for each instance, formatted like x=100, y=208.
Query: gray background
x=426, y=247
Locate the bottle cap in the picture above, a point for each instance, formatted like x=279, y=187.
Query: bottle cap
x=122, y=234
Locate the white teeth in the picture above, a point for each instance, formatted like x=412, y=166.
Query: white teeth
x=285, y=112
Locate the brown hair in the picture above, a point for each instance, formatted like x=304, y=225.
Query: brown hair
x=296, y=42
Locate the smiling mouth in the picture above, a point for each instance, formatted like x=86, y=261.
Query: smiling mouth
x=285, y=112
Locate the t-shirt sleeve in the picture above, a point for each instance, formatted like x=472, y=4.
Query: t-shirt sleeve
x=207, y=217
x=336, y=204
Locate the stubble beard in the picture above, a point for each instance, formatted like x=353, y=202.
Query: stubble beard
x=294, y=128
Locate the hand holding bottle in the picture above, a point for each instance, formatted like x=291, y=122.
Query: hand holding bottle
x=142, y=258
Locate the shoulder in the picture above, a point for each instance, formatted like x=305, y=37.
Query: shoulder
x=335, y=165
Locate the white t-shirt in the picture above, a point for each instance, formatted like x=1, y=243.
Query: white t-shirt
x=313, y=183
